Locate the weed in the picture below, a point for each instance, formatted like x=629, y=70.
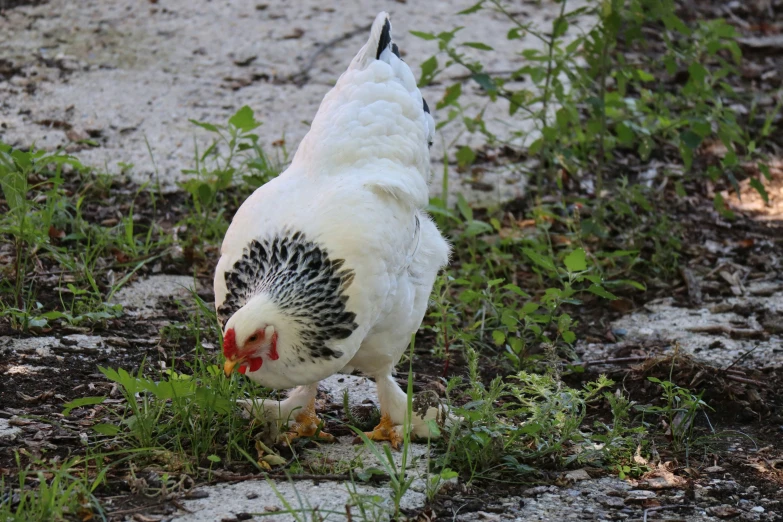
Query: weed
x=586, y=96
x=25, y=222
x=190, y=415
x=516, y=424
x=214, y=172
x=677, y=414
x=62, y=492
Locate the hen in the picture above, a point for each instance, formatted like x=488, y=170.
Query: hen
x=329, y=267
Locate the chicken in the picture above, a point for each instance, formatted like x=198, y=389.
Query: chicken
x=329, y=267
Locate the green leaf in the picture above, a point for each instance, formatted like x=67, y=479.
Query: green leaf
x=473, y=8
x=529, y=308
x=569, y=336
x=536, y=146
x=14, y=184
x=764, y=168
x=759, y=186
x=514, y=288
x=697, y=72
x=499, y=337
x=545, y=262
x=576, y=261
x=601, y=292
x=428, y=68
x=204, y=193
x=464, y=208
x=423, y=36
x=485, y=82
x=559, y=27
x=624, y=134
x=672, y=22
x=644, y=76
x=679, y=189
x=478, y=45
x=23, y=159
x=530, y=428
x=244, y=120
x=630, y=282
x=465, y=156
x=205, y=125
x=476, y=227
x=515, y=33
x=690, y=139
x=720, y=205
x=213, y=458
x=78, y=403
x=451, y=95
x=106, y=429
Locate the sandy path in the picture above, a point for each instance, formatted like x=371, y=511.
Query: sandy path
x=122, y=71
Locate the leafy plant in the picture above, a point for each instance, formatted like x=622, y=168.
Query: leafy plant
x=678, y=413
x=583, y=99
x=191, y=415
x=233, y=152
x=25, y=222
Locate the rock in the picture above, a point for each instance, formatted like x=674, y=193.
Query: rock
x=718, y=336
x=8, y=432
x=723, y=511
x=231, y=501
x=639, y=496
x=577, y=474
x=141, y=297
x=611, y=502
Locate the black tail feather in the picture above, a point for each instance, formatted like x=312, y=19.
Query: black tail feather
x=385, y=39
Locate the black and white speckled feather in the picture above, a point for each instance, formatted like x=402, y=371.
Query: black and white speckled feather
x=301, y=279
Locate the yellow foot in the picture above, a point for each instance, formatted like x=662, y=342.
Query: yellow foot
x=306, y=424
x=385, y=431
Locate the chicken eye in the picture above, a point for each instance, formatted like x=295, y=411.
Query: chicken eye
x=253, y=338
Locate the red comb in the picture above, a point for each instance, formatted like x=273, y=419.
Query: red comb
x=230, y=343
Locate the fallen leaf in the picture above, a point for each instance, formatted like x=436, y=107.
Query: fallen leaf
x=55, y=233
x=661, y=478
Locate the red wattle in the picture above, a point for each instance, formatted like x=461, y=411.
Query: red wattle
x=242, y=369
x=255, y=363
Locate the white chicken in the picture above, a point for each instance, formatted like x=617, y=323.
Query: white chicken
x=330, y=266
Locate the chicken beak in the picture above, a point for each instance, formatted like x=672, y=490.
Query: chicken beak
x=229, y=365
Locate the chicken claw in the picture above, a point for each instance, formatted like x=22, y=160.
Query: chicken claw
x=386, y=430
x=306, y=424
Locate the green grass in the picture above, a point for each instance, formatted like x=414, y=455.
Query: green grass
x=53, y=491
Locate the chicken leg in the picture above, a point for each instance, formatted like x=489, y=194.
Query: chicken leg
x=386, y=430
x=394, y=408
x=306, y=424
x=299, y=407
